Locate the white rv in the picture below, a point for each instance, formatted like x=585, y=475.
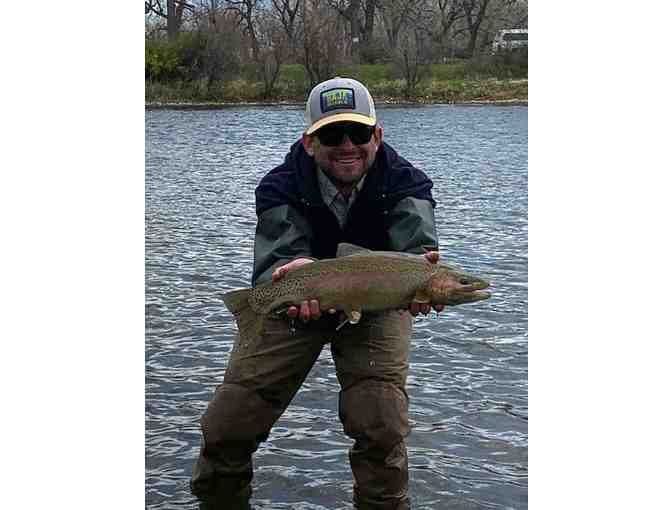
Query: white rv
x=507, y=40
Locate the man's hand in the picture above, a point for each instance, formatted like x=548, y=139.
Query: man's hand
x=310, y=309
x=425, y=308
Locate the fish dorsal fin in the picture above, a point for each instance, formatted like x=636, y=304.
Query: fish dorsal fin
x=346, y=249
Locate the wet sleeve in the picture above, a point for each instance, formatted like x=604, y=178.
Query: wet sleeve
x=411, y=226
x=282, y=235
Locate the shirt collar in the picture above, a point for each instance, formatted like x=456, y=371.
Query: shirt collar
x=330, y=192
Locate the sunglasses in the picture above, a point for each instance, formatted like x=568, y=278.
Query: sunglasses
x=332, y=135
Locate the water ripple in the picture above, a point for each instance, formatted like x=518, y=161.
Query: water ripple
x=468, y=377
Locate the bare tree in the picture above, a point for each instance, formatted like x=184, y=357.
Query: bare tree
x=287, y=11
x=268, y=40
x=397, y=14
x=412, y=50
x=513, y=13
x=474, y=14
x=247, y=11
x=321, y=33
x=349, y=9
x=360, y=15
x=273, y=48
x=171, y=10
x=221, y=59
x=448, y=14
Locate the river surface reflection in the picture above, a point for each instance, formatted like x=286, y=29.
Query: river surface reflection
x=468, y=377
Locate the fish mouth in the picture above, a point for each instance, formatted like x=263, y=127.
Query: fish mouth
x=474, y=286
x=479, y=295
x=461, y=297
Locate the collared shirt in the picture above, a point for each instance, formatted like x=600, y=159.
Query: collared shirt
x=338, y=204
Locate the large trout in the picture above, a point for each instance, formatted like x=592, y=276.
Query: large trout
x=357, y=280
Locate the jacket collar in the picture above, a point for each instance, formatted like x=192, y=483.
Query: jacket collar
x=307, y=182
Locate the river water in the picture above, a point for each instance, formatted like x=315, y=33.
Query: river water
x=468, y=378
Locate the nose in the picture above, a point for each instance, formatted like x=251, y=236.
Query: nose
x=346, y=142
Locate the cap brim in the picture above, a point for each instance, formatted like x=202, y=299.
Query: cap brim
x=341, y=117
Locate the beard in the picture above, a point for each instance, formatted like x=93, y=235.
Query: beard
x=346, y=168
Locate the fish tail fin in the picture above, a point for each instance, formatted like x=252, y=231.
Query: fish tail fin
x=237, y=300
x=247, y=320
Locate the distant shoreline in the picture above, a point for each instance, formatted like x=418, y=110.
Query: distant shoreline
x=380, y=102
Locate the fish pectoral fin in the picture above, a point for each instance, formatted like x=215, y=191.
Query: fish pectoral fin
x=421, y=296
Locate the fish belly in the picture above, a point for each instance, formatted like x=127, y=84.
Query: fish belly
x=360, y=291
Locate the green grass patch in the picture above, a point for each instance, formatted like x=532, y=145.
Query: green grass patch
x=293, y=73
x=367, y=73
x=487, y=78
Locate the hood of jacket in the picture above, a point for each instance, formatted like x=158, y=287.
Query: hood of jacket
x=390, y=179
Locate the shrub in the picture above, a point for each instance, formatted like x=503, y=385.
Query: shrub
x=161, y=60
x=241, y=90
x=387, y=88
x=192, y=48
x=192, y=56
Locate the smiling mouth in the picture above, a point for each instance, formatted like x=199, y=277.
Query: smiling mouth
x=347, y=159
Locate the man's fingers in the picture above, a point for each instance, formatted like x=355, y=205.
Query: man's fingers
x=439, y=308
x=292, y=312
x=305, y=311
x=432, y=256
x=424, y=308
x=279, y=273
x=314, y=306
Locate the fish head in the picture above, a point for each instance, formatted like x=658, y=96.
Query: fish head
x=452, y=286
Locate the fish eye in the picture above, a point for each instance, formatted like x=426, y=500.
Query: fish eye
x=464, y=281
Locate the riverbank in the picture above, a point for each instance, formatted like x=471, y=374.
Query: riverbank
x=212, y=106
x=466, y=92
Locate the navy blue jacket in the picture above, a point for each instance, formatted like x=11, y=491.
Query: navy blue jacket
x=393, y=211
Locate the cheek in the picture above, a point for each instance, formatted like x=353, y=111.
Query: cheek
x=320, y=153
x=371, y=154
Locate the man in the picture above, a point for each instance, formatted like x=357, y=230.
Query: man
x=339, y=183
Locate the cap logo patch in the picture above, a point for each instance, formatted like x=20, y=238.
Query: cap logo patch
x=335, y=99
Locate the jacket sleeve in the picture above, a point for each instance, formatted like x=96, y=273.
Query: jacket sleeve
x=410, y=226
x=282, y=235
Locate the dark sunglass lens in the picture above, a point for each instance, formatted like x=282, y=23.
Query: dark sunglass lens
x=360, y=134
x=331, y=135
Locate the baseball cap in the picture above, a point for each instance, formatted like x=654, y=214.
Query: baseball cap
x=339, y=100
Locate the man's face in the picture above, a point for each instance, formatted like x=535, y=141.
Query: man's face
x=346, y=162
